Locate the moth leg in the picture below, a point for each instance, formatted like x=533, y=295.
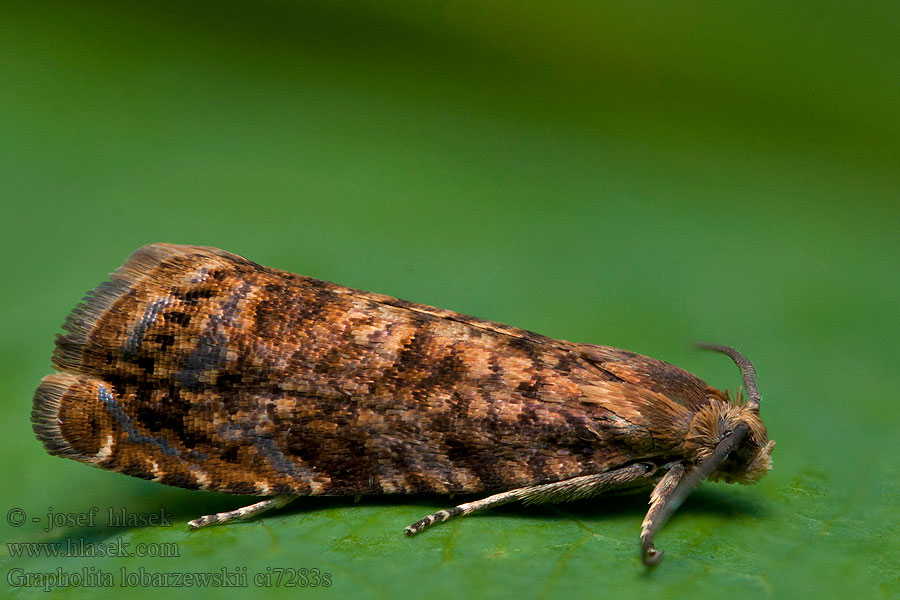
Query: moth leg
x=576, y=488
x=243, y=513
x=658, y=499
x=677, y=485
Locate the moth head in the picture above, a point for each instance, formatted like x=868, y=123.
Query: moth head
x=749, y=457
x=749, y=460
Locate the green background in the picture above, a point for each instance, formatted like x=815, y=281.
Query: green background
x=637, y=175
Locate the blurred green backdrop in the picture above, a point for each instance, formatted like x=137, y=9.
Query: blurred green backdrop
x=637, y=175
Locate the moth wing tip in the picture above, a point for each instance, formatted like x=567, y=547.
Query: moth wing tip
x=67, y=418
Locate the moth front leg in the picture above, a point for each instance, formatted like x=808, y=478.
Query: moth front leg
x=652, y=521
x=575, y=488
x=243, y=513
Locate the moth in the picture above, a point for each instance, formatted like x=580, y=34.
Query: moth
x=200, y=369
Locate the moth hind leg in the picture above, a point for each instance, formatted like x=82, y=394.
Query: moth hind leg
x=576, y=488
x=243, y=513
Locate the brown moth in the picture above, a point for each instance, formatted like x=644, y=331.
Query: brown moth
x=200, y=369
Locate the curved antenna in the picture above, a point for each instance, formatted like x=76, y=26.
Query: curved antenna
x=669, y=501
x=748, y=372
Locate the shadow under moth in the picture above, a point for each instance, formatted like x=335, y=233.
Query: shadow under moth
x=200, y=369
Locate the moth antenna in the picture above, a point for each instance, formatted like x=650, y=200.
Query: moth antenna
x=748, y=372
x=666, y=498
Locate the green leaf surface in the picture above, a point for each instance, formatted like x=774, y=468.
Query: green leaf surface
x=641, y=176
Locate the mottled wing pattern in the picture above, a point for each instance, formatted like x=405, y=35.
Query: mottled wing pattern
x=201, y=369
